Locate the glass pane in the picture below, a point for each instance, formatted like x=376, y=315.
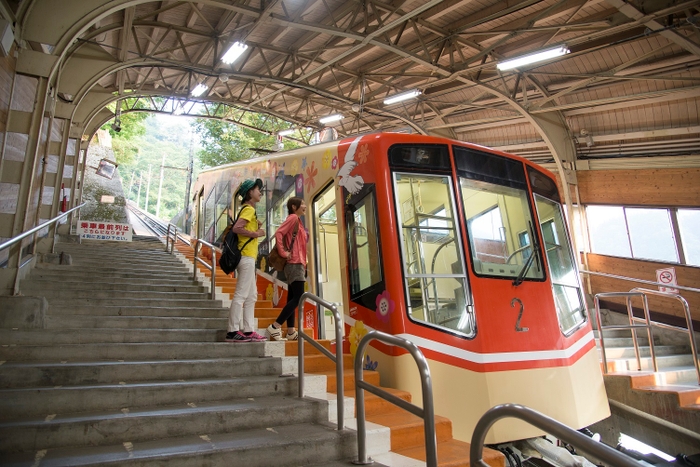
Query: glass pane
x=499, y=224
x=363, y=242
x=565, y=282
x=651, y=234
x=279, y=211
x=607, y=230
x=433, y=258
x=209, y=217
x=223, y=214
x=689, y=225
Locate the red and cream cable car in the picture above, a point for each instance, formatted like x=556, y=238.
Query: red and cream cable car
x=458, y=248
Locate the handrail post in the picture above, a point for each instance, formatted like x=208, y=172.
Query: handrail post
x=427, y=412
x=635, y=342
x=338, y=359
x=688, y=320
x=599, y=325
x=650, y=333
x=197, y=245
x=167, y=238
x=213, y=274
x=172, y=245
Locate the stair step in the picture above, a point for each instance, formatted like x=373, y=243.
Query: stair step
x=135, y=322
x=33, y=286
x=662, y=362
x=408, y=430
x=302, y=444
x=33, y=402
x=155, y=311
x=148, y=302
x=148, y=350
x=660, y=350
x=42, y=271
x=50, y=374
x=125, y=266
x=99, y=293
x=143, y=424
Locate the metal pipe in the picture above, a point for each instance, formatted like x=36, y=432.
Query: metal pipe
x=338, y=359
x=688, y=319
x=632, y=327
x=29, y=232
x=427, y=412
x=600, y=451
x=211, y=267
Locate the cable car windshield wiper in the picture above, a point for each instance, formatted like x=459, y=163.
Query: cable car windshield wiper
x=531, y=259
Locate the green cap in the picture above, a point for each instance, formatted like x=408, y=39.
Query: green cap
x=248, y=185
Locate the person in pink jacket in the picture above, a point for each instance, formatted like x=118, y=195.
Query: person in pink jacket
x=294, y=270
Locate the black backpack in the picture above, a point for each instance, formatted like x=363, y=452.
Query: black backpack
x=230, y=253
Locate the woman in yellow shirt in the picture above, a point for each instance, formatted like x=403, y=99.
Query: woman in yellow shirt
x=247, y=226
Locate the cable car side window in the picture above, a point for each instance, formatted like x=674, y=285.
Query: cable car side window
x=499, y=219
x=209, y=216
x=433, y=259
x=566, y=285
x=364, y=254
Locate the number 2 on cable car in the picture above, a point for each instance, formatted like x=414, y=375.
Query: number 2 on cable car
x=520, y=314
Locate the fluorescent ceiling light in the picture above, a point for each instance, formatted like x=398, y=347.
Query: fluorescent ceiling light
x=235, y=51
x=330, y=118
x=533, y=58
x=286, y=132
x=199, y=89
x=402, y=97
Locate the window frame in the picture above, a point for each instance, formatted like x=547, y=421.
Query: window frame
x=459, y=232
x=672, y=213
x=365, y=296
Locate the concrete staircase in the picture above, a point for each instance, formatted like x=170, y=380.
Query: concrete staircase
x=406, y=433
x=660, y=408
x=132, y=370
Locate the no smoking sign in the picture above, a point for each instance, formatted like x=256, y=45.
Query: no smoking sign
x=667, y=277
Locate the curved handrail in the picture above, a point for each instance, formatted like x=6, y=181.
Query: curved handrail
x=169, y=237
x=427, y=413
x=337, y=358
x=197, y=244
x=600, y=451
x=22, y=236
x=628, y=300
x=688, y=321
x=648, y=324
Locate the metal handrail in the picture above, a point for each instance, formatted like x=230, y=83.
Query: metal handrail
x=688, y=321
x=600, y=451
x=632, y=327
x=649, y=324
x=427, y=413
x=21, y=236
x=168, y=238
x=337, y=358
x=197, y=244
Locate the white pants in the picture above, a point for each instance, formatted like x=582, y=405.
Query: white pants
x=242, y=312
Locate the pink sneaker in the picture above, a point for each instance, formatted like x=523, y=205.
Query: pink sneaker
x=255, y=337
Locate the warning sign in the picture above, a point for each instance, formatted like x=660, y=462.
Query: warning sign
x=667, y=276
x=100, y=230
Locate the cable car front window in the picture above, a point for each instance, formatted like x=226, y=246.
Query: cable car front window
x=565, y=279
x=500, y=230
x=434, y=271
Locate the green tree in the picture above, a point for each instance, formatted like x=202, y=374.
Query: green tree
x=223, y=142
